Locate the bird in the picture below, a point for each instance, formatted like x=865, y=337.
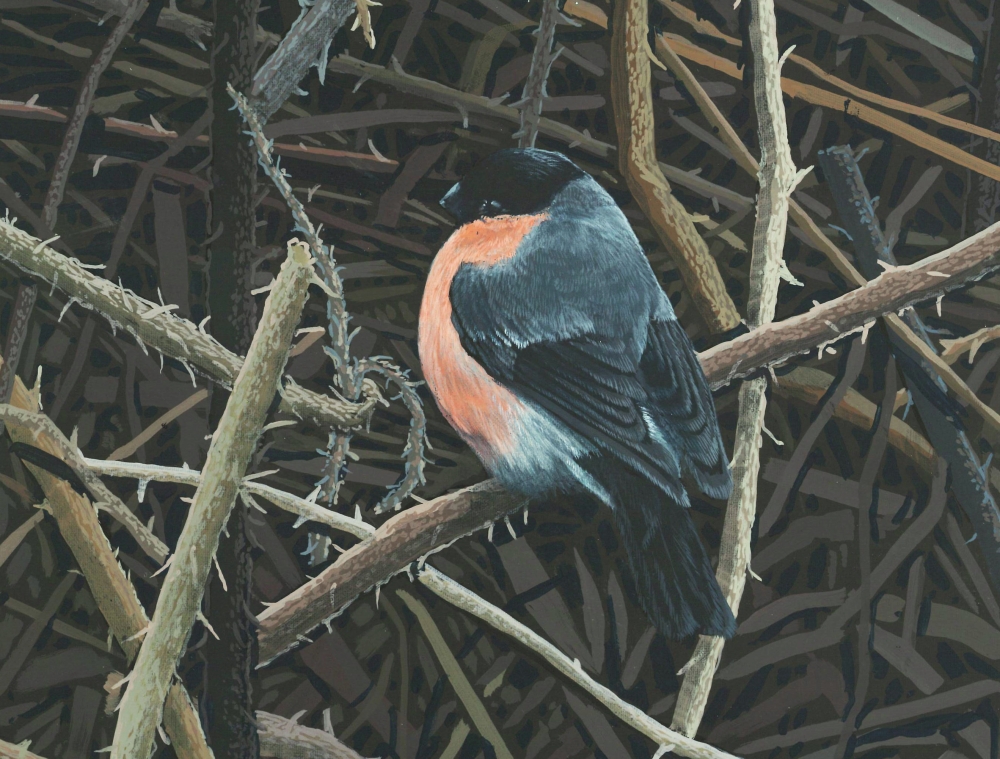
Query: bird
x=550, y=347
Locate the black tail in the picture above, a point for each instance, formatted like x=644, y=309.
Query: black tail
x=673, y=577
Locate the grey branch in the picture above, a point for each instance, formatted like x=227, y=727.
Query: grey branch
x=534, y=87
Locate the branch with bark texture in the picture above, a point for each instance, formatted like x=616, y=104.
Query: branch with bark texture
x=69, y=455
x=631, y=97
x=815, y=236
x=777, y=178
x=897, y=288
x=466, y=102
x=307, y=44
x=668, y=740
x=152, y=324
x=115, y=597
x=280, y=737
x=407, y=537
x=84, y=100
x=534, y=87
x=225, y=465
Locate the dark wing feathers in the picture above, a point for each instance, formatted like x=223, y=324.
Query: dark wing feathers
x=569, y=324
x=683, y=406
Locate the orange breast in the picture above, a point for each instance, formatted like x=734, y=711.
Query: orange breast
x=481, y=410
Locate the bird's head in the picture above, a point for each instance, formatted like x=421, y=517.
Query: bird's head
x=514, y=182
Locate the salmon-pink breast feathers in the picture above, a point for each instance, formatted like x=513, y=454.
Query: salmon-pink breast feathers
x=481, y=410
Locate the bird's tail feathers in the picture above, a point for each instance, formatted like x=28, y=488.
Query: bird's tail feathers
x=673, y=577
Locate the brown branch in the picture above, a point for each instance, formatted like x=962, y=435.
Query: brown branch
x=846, y=105
x=631, y=98
x=897, y=288
x=534, y=92
x=84, y=99
x=115, y=597
x=415, y=85
x=405, y=538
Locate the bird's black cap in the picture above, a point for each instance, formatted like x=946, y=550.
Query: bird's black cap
x=514, y=181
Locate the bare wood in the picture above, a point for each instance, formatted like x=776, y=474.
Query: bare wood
x=17, y=333
x=415, y=85
x=307, y=510
x=113, y=593
x=19, y=751
x=815, y=235
x=408, y=536
x=84, y=99
x=933, y=112
x=285, y=738
x=174, y=337
x=39, y=425
x=157, y=425
x=952, y=350
x=534, y=87
x=307, y=44
x=225, y=465
x=777, y=178
x=895, y=289
x=631, y=98
x=458, y=596
x=849, y=106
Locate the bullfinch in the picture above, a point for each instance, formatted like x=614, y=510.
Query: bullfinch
x=549, y=346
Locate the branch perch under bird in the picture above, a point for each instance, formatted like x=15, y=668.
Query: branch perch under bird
x=777, y=178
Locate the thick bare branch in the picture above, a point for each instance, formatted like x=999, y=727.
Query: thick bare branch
x=115, y=597
x=153, y=325
x=232, y=443
x=897, y=288
x=408, y=536
x=280, y=737
x=631, y=97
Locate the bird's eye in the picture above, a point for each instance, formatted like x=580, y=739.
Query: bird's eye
x=495, y=205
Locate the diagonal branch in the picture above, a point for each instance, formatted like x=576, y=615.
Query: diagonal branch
x=115, y=597
x=232, y=444
x=152, y=324
x=71, y=141
x=631, y=98
x=69, y=455
x=667, y=739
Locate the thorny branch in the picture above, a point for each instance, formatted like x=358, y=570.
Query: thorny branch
x=350, y=373
x=777, y=178
x=534, y=88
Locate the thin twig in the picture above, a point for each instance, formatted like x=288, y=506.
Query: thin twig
x=534, y=92
x=306, y=510
x=952, y=350
x=777, y=178
x=469, y=602
x=85, y=98
x=17, y=333
x=456, y=676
